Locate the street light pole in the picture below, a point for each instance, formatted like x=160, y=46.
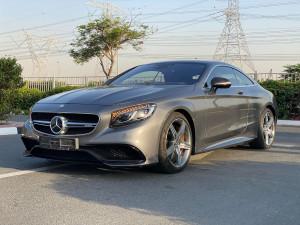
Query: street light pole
x=58, y=69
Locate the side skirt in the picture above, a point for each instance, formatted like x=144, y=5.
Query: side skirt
x=225, y=143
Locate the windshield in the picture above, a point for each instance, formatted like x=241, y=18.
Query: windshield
x=162, y=73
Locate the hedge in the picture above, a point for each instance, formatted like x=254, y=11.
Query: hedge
x=287, y=95
x=21, y=99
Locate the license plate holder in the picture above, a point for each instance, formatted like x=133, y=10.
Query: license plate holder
x=54, y=143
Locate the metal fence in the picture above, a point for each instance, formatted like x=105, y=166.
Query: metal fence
x=290, y=77
x=48, y=83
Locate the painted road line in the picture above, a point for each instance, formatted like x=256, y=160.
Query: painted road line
x=22, y=172
x=8, y=130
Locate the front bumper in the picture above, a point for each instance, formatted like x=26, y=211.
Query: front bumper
x=132, y=145
x=109, y=155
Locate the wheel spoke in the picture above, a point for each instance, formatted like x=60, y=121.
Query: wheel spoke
x=184, y=145
x=179, y=157
x=170, y=150
x=181, y=130
x=271, y=134
x=267, y=137
x=173, y=131
x=266, y=119
x=270, y=122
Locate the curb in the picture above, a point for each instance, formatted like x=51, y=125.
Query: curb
x=10, y=130
x=18, y=130
x=288, y=123
x=14, y=128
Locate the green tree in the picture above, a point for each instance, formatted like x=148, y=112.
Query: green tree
x=292, y=72
x=10, y=79
x=103, y=37
x=10, y=74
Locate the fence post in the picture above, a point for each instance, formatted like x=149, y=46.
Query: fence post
x=53, y=81
x=255, y=75
x=85, y=80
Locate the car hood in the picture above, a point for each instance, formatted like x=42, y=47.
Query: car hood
x=109, y=95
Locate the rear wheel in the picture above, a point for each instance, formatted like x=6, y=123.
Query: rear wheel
x=176, y=144
x=266, y=131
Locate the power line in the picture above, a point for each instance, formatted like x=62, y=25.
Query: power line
x=46, y=25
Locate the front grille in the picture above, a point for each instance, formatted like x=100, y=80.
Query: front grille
x=76, y=124
x=73, y=156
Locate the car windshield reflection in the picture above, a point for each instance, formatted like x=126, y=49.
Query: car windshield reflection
x=162, y=74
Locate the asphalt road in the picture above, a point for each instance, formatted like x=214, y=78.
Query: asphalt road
x=228, y=186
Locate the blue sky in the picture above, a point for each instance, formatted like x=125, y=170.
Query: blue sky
x=187, y=29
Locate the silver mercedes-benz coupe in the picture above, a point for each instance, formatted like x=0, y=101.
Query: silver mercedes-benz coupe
x=155, y=114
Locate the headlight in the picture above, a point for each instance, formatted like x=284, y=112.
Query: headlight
x=30, y=111
x=132, y=114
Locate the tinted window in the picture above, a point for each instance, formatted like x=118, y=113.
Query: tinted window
x=242, y=79
x=162, y=73
x=224, y=72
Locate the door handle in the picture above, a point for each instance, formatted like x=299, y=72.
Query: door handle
x=239, y=92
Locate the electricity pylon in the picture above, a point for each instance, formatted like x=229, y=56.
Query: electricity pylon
x=105, y=7
x=40, y=50
x=232, y=47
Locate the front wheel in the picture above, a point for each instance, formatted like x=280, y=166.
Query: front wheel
x=266, y=131
x=176, y=144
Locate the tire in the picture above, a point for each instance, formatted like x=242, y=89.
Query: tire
x=176, y=144
x=266, y=131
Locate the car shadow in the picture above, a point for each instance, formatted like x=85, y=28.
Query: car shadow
x=208, y=191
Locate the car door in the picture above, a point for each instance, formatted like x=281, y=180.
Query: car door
x=224, y=118
x=245, y=88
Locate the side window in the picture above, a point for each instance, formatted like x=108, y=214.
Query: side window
x=225, y=72
x=242, y=79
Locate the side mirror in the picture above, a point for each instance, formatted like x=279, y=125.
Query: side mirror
x=107, y=81
x=219, y=82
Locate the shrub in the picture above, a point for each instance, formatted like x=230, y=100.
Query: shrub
x=5, y=103
x=58, y=90
x=10, y=74
x=287, y=95
x=95, y=83
x=24, y=98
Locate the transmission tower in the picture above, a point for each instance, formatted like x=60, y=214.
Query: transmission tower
x=232, y=47
x=40, y=50
x=105, y=7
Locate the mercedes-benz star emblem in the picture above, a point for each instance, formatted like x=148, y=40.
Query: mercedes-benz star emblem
x=58, y=125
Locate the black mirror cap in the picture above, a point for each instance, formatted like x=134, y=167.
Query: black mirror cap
x=219, y=82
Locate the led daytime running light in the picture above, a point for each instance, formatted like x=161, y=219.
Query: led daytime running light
x=129, y=109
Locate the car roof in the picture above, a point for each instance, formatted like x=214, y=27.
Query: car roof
x=208, y=62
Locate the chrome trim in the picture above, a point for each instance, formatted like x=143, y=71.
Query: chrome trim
x=78, y=124
x=42, y=122
x=95, y=125
x=68, y=124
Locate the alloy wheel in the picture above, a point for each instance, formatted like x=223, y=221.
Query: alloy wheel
x=178, y=145
x=268, y=128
